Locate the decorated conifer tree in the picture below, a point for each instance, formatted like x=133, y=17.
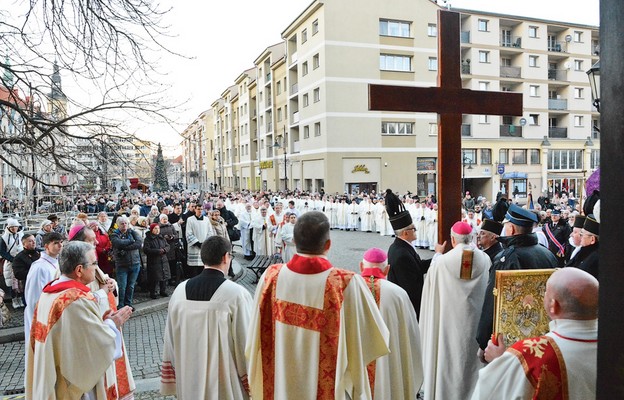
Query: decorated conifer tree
x=160, y=173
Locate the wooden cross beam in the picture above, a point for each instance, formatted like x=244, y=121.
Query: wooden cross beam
x=449, y=100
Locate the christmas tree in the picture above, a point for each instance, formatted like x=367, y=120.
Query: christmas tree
x=160, y=173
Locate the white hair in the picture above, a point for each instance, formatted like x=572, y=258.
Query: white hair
x=462, y=239
x=368, y=264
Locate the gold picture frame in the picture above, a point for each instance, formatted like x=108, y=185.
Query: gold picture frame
x=519, y=304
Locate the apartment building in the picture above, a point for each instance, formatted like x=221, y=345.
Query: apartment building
x=300, y=120
x=197, y=163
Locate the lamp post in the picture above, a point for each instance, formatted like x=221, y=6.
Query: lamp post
x=469, y=161
x=594, y=83
x=276, y=145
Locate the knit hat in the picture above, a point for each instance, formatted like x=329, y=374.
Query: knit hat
x=375, y=256
x=45, y=223
x=152, y=226
x=397, y=214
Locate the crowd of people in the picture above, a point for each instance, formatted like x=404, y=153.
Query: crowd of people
x=323, y=332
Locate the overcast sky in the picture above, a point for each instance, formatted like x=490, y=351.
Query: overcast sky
x=225, y=37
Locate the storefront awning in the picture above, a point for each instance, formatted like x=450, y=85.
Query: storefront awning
x=515, y=175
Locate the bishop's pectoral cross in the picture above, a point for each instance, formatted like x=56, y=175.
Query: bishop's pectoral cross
x=449, y=100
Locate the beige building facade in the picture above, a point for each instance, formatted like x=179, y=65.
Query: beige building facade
x=299, y=118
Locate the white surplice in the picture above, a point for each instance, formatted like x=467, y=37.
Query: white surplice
x=204, y=350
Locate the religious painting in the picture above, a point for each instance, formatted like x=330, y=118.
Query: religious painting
x=519, y=304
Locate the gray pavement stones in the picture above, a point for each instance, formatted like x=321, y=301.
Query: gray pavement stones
x=143, y=333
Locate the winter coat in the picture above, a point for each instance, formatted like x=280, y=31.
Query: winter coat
x=103, y=249
x=126, y=248
x=156, y=248
x=171, y=236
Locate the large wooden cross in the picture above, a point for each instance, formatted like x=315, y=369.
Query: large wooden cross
x=449, y=100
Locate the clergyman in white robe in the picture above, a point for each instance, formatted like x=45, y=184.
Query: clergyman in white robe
x=449, y=314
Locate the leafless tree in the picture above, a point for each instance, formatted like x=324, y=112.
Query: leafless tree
x=109, y=49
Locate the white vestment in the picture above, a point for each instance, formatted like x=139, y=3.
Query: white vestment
x=263, y=243
x=431, y=218
x=449, y=315
x=41, y=272
x=398, y=375
x=204, y=350
x=352, y=216
x=505, y=377
x=421, y=227
x=244, y=224
x=299, y=350
x=367, y=216
x=287, y=240
x=197, y=231
x=342, y=218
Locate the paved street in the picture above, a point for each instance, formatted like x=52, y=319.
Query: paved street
x=143, y=334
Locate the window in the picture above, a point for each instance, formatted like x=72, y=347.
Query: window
x=578, y=65
x=279, y=114
x=578, y=93
x=484, y=25
x=432, y=30
x=519, y=187
x=578, y=36
x=533, y=61
x=469, y=156
x=565, y=159
x=433, y=129
x=306, y=131
x=315, y=27
x=397, y=128
x=304, y=68
x=535, y=156
x=305, y=100
x=484, y=56
x=390, y=62
x=519, y=156
x=484, y=119
x=484, y=85
x=394, y=28
x=505, y=62
x=317, y=129
x=595, y=159
x=578, y=120
x=533, y=31
x=533, y=119
x=486, y=156
x=304, y=36
x=433, y=63
x=316, y=61
x=279, y=87
x=317, y=94
x=534, y=91
x=503, y=156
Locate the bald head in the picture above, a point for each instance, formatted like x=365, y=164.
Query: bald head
x=571, y=293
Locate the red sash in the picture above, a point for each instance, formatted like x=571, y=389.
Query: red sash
x=544, y=367
x=553, y=239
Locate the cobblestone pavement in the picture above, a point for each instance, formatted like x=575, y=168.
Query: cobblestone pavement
x=143, y=334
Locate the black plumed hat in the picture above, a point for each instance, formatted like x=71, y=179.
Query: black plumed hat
x=397, y=214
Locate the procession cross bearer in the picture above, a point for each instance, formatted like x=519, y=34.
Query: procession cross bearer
x=314, y=327
x=449, y=100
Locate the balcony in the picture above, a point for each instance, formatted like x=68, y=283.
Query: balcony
x=557, y=104
x=511, y=41
x=296, y=146
x=510, y=72
x=465, y=67
x=268, y=77
x=293, y=58
x=466, y=130
x=295, y=117
x=557, y=75
x=294, y=89
x=555, y=46
x=557, y=133
x=269, y=127
x=464, y=37
x=510, y=131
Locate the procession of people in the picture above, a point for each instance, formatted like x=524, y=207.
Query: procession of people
x=390, y=333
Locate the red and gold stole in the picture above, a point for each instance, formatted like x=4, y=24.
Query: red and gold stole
x=371, y=277
x=544, y=367
x=325, y=321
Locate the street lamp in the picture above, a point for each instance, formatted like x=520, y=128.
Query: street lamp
x=594, y=83
x=276, y=146
x=464, y=161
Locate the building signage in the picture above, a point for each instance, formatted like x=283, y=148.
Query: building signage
x=266, y=164
x=360, y=168
x=426, y=164
x=500, y=169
